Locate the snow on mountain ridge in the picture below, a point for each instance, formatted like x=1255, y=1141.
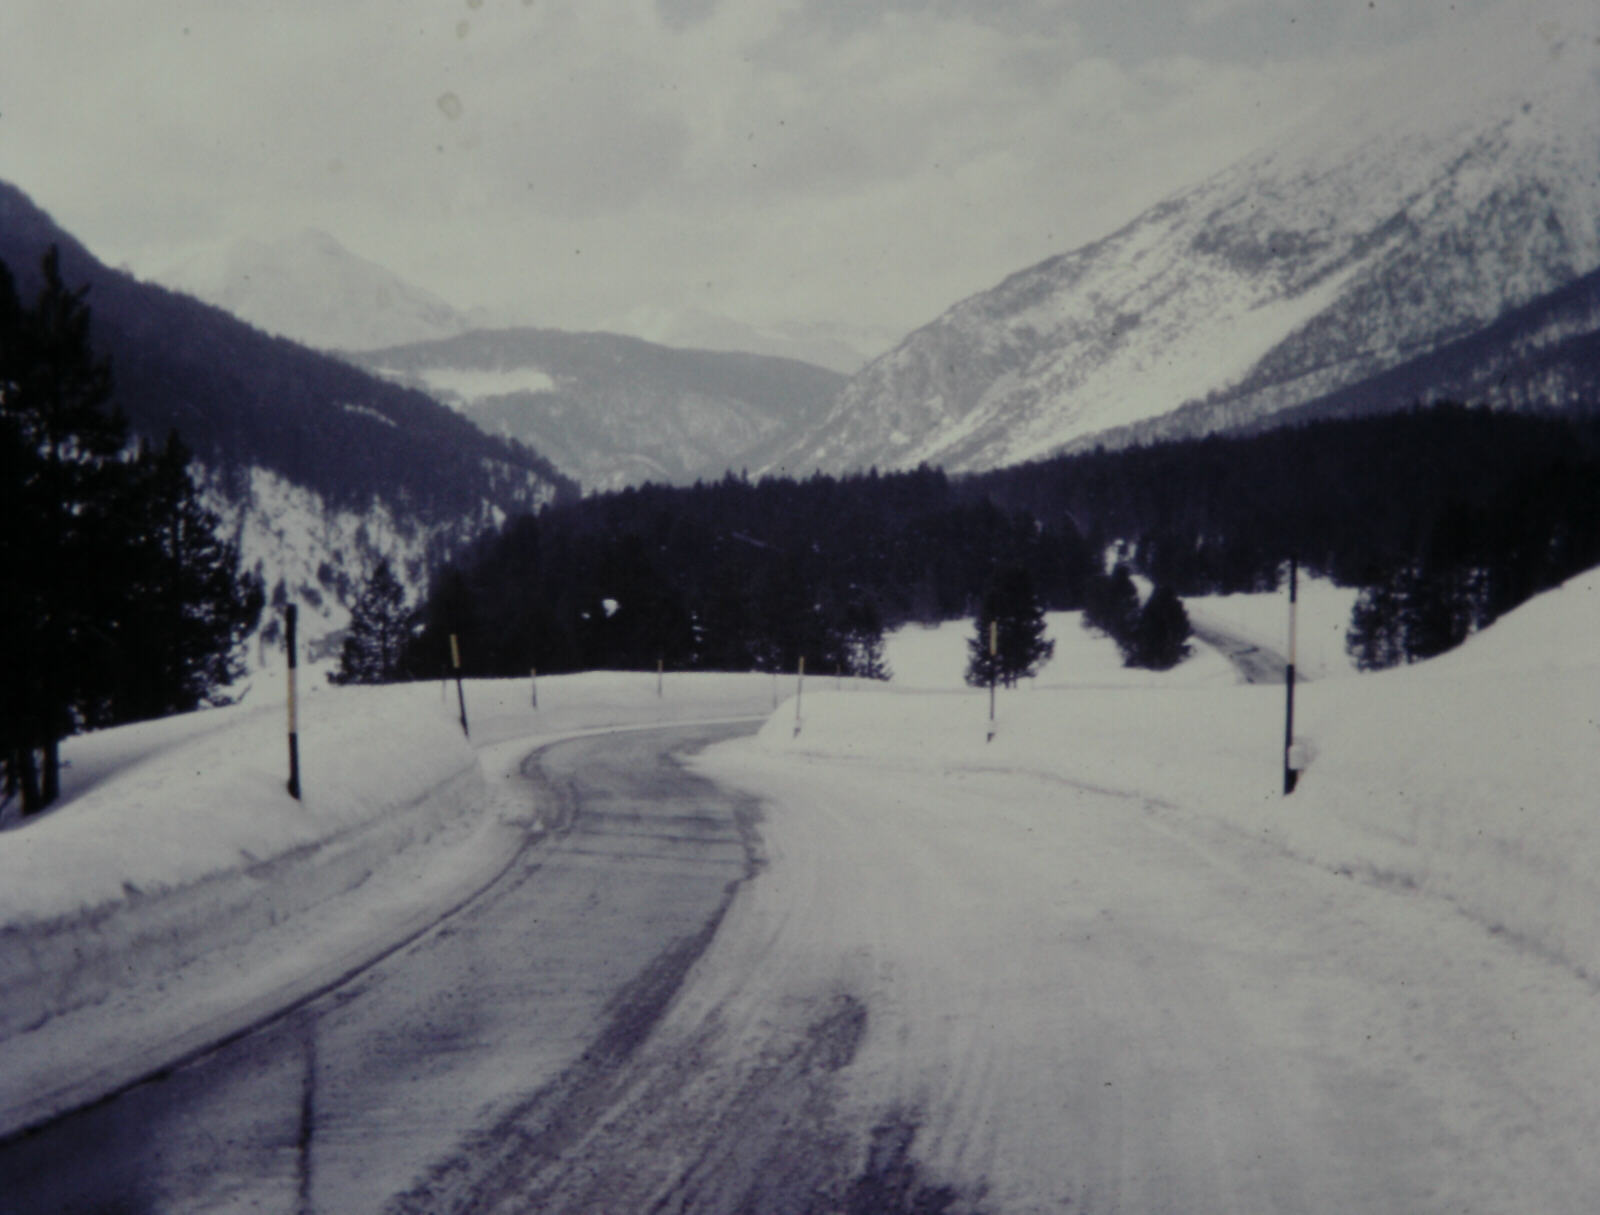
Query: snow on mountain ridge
x=310, y=288
x=1405, y=218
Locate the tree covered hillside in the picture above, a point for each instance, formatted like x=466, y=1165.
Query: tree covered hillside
x=742, y=575
x=242, y=399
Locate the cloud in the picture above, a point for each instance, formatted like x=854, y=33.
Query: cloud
x=770, y=159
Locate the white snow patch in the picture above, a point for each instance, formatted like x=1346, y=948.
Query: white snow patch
x=479, y=383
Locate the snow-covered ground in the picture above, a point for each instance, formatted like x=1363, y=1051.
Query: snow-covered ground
x=1322, y=618
x=1103, y=960
x=922, y=658
x=1109, y=966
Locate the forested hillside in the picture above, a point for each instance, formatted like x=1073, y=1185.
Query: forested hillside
x=738, y=575
x=241, y=398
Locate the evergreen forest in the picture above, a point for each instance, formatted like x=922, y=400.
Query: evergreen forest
x=1471, y=510
x=119, y=600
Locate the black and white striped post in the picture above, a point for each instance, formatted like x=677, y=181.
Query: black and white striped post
x=290, y=614
x=461, y=696
x=799, y=691
x=994, y=665
x=1290, y=776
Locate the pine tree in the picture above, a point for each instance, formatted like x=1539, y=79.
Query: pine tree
x=380, y=630
x=1160, y=638
x=118, y=601
x=187, y=607
x=1111, y=604
x=863, y=641
x=65, y=466
x=1021, y=647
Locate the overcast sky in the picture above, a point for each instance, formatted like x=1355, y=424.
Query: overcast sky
x=577, y=164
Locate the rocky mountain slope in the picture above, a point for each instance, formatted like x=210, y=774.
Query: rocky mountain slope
x=318, y=466
x=1450, y=190
x=612, y=411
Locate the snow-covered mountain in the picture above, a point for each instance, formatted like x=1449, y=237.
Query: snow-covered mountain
x=1454, y=186
x=612, y=411
x=317, y=467
x=310, y=288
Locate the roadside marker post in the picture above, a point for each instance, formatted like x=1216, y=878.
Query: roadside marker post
x=799, y=691
x=1290, y=776
x=994, y=649
x=535, y=677
x=291, y=614
x=461, y=696
x=661, y=666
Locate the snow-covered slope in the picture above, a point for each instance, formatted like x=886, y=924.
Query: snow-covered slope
x=310, y=288
x=612, y=411
x=1454, y=184
x=317, y=467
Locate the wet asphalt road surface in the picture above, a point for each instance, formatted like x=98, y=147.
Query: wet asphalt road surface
x=498, y=1037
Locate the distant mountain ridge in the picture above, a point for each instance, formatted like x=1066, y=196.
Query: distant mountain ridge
x=320, y=466
x=1461, y=188
x=311, y=289
x=613, y=411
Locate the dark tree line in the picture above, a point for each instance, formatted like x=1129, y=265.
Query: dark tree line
x=119, y=600
x=1154, y=635
x=737, y=576
x=1474, y=508
x=1447, y=516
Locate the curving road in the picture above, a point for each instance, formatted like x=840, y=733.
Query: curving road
x=518, y=1010
x=1255, y=663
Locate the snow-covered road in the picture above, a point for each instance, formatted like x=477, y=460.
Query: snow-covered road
x=1091, y=1002
x=1095, y=962
x=429, y=1065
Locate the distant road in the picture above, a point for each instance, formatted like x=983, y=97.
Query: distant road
x=1255, y=663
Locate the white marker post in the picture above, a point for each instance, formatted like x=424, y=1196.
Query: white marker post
x=799, y=691
x=1290, y=776
x=994, y=649
x=661, y=666
x=461, y=696
x=535, y=677
x=291, y=614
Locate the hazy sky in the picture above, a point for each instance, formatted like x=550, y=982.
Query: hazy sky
x=578, y=164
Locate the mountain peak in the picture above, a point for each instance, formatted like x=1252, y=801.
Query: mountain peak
x=1408, y=217
x=309, y=287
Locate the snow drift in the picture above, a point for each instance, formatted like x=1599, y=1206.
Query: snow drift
x=197, y=846
x=1470, y=777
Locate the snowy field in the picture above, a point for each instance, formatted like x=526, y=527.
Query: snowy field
x=1105, y=962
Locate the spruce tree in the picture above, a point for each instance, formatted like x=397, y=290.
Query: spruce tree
x=187, y=607
x=380, y=631
x=1160, y=638
x=118, y=602
x=1021, y=648
x=1111, y=604
x=863, y=641
x=64, y=470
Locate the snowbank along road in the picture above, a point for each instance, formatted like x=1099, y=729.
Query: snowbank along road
x=489, y=1043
